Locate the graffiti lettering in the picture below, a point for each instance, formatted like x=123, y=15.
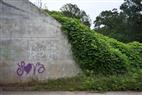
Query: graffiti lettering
x=27, y=68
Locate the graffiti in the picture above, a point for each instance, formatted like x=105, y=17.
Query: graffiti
x=27, y=68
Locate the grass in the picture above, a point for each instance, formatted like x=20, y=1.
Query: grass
x=97, y=83
x=65, y=84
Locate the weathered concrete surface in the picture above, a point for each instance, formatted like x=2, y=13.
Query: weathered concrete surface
x=70, y=93
x=32, y=46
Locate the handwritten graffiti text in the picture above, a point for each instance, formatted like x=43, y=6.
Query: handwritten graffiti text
x=27, y=68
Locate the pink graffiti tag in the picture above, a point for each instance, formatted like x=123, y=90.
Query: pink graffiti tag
x=27, y=68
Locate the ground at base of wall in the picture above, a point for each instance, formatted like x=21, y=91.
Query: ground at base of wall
x=81, y=83
x=68, y=93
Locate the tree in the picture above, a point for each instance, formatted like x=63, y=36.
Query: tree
x=111, y=23
x=73, y=11
x=125, y=25
x=133, y=13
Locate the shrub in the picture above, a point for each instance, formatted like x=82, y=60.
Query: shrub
x=92, y=53
x=132, y=81
x=96, y=53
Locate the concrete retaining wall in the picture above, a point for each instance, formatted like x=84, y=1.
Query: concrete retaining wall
x=32, y=45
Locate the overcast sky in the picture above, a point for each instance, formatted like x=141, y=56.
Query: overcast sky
x=92, y=7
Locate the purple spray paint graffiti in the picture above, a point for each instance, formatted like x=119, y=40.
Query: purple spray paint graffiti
x=35, y=68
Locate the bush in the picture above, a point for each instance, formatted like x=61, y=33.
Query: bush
x=136, y=47
x=131, y=81
x=96, y=53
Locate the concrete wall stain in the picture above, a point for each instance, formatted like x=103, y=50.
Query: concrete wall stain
x=3, y=63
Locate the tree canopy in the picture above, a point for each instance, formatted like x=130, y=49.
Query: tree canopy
x=125, y=25
x=73, y=11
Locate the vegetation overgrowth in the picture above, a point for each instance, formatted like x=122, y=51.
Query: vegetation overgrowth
x=107, y=64
x=99, y=54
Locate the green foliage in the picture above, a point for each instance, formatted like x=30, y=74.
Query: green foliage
x=130, y=81
x=136, y=47
x=132, y=51
x=97, y=83
x=73, y=11
x=125, y=25
x=133, y=14
x=114, y=83
x=96, y=53
x=109, y=65
x=64, y=84
x=112, y=24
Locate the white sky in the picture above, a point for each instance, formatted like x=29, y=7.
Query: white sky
x=92, y=7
